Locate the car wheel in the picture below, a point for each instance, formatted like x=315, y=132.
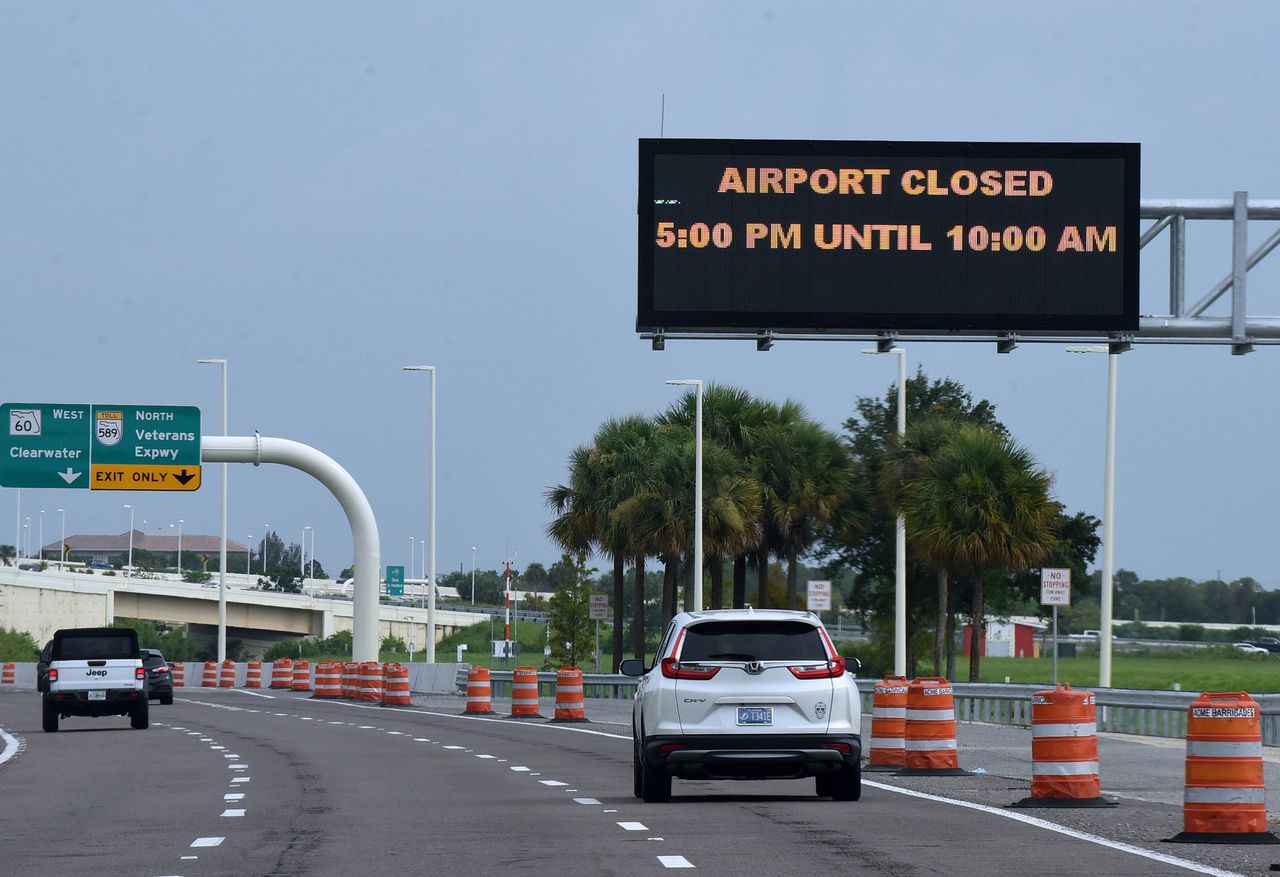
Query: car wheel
x=49, y=715
x=166, y=699
x=655, y=785
x=846, y=783
x=140, y=715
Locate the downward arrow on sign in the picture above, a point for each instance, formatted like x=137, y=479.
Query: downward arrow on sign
x=69, y=476
x=184, y=477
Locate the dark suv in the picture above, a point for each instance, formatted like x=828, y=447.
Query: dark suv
x=159, y=677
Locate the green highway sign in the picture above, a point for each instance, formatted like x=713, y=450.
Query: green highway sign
x=146, y=447
x=395, y=581
x=100, y=447
x=44, y=445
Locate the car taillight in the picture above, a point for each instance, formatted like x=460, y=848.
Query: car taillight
x=672, y=669
x=669, y=747
x=53, y=674
x=833, y=668
x=163, y=668
x=139, y=673
x=840, y=747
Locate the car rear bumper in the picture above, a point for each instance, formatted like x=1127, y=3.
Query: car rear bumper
x=77, y=703
x=752, y=757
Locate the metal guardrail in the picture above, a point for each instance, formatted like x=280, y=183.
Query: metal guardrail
x=1119, y=710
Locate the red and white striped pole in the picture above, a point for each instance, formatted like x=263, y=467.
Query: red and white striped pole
x=507, y=632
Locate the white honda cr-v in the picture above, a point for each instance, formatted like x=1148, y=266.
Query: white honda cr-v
x=746, y=694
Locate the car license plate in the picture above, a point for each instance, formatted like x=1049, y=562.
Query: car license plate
x=755, y=715
x=97, y=695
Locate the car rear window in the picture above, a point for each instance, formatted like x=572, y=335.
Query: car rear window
x=85, y=648
x=752, y=641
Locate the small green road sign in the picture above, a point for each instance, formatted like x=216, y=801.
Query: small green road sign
x=395, y=581
x=44, y=445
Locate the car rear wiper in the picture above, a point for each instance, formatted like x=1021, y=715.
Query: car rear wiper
x=732, y=656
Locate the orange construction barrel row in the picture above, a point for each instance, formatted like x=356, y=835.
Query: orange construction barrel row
x=930, y=733
x=253, y=675
x=178, y=671
x=524, y=693
x=209, y=679
x=228, y=677
x=371, y=681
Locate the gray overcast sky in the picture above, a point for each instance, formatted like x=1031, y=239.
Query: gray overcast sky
x=323, y=193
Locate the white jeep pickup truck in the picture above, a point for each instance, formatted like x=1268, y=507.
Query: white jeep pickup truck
x=94, y=671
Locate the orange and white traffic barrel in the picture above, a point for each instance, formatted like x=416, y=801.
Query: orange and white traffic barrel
x=1064, y=750
x=351, y=680
x=209, y=679
x=228, y=678
x=371, y=681
x=524, y=693
x=569, y=701
x=930, y=732
x=253, y=675
x=328, y=679
x=9, y=674
x=1224, y=798
x=395, y=681
x=282, y=673
x=479, y=691
x=889, y=723
x=178, y=672
x=301, y=675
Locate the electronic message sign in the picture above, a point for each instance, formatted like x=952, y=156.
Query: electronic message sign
x=829, y=236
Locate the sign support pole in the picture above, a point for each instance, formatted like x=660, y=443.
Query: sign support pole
x=1055, y=646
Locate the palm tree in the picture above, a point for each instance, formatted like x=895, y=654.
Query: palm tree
x=906, y=458
x=980, y=504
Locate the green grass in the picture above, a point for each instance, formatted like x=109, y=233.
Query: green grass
x=1207, y=670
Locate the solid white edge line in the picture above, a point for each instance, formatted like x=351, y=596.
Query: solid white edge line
x=1062, y=829
x=10, y=746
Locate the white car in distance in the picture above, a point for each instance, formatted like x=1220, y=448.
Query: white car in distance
x=746, y=694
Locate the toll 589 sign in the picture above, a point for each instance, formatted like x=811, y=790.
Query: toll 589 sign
x=875, y=236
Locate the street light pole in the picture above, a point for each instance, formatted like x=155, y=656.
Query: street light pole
x=1108, y=514
x=266, y=531
x=128, y=573
x=473, y=575
x=697, y=495
x=17, y=533
x=900, y=534
x=412, y=552
x=431, y=518
x=302, y=557
x=180, y=547
x=62, y=544
x=222, y=551
x=40, y=538
x=248, y=555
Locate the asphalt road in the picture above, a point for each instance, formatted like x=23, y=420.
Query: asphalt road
x=231, y=783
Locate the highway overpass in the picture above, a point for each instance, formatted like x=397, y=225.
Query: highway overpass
x=41, y=602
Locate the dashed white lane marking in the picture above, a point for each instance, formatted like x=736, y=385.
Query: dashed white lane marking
x=519, y=768
x=207, y=841
x=455, y=747
x=586, y=800
x=241, y=779
x=610, y=811
x=185, y=858
x=233, y=796
x=10, y=746
x=421, y=740
x=633, y=826
x=675, y=862
x=335, y=723
x=1062, y=829
x=230, y=755
x=205, y=739
x=233, y=812
x=365, y=727
x=396, y=733
x=193, y=733
x=238, y=766
x=552, y=783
